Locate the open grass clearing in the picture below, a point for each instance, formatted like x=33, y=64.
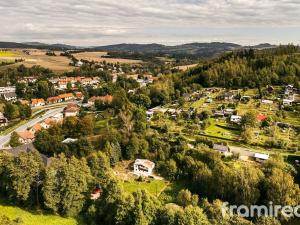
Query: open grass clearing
x=32, y=218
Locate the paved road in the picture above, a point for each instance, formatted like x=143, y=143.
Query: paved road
x=4, y=139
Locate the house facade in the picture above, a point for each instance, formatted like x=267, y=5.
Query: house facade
x=143, y=167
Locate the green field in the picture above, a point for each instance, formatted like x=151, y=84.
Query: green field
x=154, y=187
x=29, y=218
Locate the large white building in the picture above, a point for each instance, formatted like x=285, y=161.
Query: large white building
x=143, y=167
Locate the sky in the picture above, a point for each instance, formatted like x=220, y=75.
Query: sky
x=171, y=22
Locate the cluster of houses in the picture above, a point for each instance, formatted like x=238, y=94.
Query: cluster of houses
x=143, y=80
x=61, y=83
x=28, y=136
x=38, y=102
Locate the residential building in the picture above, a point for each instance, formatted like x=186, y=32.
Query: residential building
x=3, y=120
x=236, y=119
x=25, y=137
x=7, y=89
x=10, y=97
x=259, y=157
x=79, y=95
x=143, y=167
x=37, y=102
x=71, y=110
x=66, y=97
x=53, y=100
x=106, y=98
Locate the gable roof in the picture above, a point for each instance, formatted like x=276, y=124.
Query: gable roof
x=222, y=148
x=10, y=95
x=145, y=162
x=25, y=135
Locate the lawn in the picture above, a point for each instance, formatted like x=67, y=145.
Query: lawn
x=30, y=218
x=154, y=187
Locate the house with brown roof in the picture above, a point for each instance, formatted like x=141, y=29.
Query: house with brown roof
x=36, y=102
x=25, y=137
x=53, y=100
x=106, y=98
x=66, y=97
x=79, y=95
x=71, y=110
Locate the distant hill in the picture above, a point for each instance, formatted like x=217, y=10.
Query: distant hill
x=38, y=45
x=194, y=50
x=190, y=49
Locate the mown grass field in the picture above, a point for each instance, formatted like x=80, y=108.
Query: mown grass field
x=30, y=218
x=154, y=187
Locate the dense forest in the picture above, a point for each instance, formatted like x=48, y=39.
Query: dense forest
x=249, y=68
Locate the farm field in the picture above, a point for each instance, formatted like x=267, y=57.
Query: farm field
x=98, y=57
x=29, y=218
x=36, y=57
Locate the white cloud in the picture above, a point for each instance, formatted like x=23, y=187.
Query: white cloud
x=111, y=21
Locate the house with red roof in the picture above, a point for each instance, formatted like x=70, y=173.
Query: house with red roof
x=261, y=118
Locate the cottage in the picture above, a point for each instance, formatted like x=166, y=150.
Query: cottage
x=3, y=120
x=71, y=110
x=219, y=113
x=10, y=97
x=265, y=101
x=26, y=137
x=7, y=89
x=261, y=157
x=226, y=96
x=79, y=95
x=106, y=98
x=143, y=167
x=235, y=119
x=53, y=100
x=66, y=97
x=37, y=102
x=261, y=118
x=221, y=148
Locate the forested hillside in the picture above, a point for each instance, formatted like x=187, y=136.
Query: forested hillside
x=249, y=68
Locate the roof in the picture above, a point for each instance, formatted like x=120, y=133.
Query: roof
x=66, y=95
x=69, y=140
x=222, y=148
x=37, y=127
x=37, y=100
x=26, y=135
x=10, y=95
x=261, y=156
x=261, y=117
x=78, y=94
x=145, y=162
x=51, y=99
x=106, y=98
